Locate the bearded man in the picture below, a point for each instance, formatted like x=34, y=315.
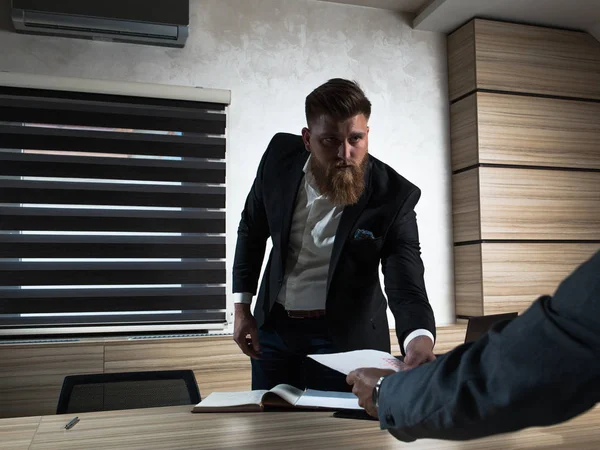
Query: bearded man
x=333, y=213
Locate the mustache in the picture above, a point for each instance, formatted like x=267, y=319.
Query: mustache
x=344, y=165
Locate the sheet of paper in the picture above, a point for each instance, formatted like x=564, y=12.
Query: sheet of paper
x=328, y=399
x=346, y=362
x=232, y=399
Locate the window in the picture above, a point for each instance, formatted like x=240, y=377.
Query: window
x=112, y=210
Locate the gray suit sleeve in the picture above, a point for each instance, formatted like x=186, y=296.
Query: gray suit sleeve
x=540, y=369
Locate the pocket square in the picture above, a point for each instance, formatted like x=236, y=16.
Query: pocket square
x=363, y=234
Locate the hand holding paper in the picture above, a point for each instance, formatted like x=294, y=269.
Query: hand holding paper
x=363, y=381
x=346, y=362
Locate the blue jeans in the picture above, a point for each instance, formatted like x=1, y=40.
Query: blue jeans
x=285, y=342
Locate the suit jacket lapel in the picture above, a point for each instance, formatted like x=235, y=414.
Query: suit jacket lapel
x=292, y=175
x=347, y=221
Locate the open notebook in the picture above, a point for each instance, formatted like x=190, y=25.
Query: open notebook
x=281, y=396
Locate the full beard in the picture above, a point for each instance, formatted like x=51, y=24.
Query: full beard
x=341, y=185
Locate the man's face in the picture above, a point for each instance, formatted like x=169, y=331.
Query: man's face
x=339, y=156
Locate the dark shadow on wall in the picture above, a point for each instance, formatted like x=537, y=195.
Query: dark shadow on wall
x=404, y=17
x=5, y=22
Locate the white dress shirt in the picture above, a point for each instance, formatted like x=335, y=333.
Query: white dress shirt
x=312, y=234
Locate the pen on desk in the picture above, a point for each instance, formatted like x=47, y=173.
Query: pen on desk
x=72, y=423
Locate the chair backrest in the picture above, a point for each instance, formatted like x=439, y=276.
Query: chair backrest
x=127, y=390
x=481, y=324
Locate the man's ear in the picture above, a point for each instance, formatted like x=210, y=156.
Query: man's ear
x=306, y=138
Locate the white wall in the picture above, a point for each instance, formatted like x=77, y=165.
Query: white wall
x=271, y=54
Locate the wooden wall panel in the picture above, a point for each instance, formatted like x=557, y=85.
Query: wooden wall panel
x=447, y=337
x=506, y=129
x=539, y=204
x=538, y=131
x=520, y=58
x=31, y=376
x=461, y=61
x=522, y=96
x=516, y=274
x=218, y=363
x=468, y=280
x=464, y=132
x=536, y=60
x=465, y=206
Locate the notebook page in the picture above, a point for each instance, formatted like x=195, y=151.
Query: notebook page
x=328, y=399
x=224, y=399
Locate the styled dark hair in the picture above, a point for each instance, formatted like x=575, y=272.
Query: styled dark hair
x=338, y=98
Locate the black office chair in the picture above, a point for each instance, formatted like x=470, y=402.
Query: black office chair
x=128, y=390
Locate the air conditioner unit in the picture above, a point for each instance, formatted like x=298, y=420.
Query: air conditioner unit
x=150, y=22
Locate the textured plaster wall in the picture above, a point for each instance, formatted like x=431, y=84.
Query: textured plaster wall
x=271, y=54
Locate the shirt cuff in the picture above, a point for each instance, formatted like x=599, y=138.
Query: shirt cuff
x=242, y=297
x=417, y=333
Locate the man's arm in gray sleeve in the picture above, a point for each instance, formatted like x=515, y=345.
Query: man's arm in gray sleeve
x=540, y=369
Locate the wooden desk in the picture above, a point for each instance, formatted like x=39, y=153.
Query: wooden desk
x=17, y=433
x=176, y=428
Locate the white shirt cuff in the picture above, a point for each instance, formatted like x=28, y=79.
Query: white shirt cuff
x=417, y=333
x=242, y=297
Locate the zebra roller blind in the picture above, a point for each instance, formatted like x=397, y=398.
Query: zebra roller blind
x=112, y=211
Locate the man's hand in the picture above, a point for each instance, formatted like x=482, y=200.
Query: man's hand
x=419, y=351
x=363, y=382
x=245, y=332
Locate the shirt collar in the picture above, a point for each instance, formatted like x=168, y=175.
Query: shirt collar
x=310, y=179
x=306, y=168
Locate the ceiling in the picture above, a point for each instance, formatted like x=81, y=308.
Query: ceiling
x=411, y=6
x=446, y=15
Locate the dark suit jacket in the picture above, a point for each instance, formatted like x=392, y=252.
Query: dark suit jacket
x=356, y=307
x=540, y=369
